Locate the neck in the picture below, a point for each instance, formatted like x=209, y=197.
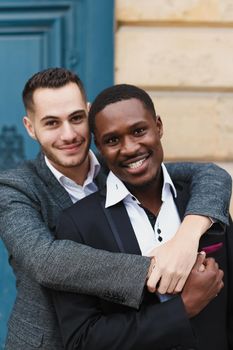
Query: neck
x=149, y=195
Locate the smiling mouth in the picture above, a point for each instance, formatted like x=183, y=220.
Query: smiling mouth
x=137, y=164
x=70, y=147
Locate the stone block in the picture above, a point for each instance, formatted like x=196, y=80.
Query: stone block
x=174, y=11
x=161, y=57
x=196, y=126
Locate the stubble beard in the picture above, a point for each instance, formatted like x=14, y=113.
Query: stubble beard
x=56, y=161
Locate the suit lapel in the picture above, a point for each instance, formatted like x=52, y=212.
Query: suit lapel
x=124, y=228
x=121, y=227
x=54, y=187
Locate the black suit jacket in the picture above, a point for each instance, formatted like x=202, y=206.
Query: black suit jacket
x=91, y=323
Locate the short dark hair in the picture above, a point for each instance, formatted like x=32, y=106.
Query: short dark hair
x=49, y=78
x=118, y=93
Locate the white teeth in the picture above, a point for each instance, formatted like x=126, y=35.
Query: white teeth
x=136, y=164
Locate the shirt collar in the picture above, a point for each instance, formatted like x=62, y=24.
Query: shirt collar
x=93, y=172
x=117, y=191
x=167, y=184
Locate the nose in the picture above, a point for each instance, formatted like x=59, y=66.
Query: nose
x=68, y=133
x=129, y=146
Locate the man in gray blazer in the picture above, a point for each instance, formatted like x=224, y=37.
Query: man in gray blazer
x=33, y=196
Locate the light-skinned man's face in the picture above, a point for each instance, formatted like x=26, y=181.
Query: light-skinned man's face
x=59, y=122
x=128, y=137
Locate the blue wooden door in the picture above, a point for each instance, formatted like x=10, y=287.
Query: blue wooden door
x=36, y=34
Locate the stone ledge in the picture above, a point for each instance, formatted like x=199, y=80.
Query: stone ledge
x=196, y=126
x=178, y=58
x=215, y=11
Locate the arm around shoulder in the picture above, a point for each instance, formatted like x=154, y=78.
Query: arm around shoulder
x=210, y=188
x=32, y=246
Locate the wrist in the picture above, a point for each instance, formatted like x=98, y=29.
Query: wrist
x=188, y=308
x=197, y=225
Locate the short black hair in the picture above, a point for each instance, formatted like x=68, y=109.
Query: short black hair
x=50, y=78
x=118, y=93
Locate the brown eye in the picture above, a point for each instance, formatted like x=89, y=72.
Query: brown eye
x=139, y=131
x=77, y=118
x=51, y=123
x=111, y=141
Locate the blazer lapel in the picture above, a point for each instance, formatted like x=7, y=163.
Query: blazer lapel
x=121, y=227
x=57, y=191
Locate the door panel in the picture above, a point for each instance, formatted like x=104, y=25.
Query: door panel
x=29, y=42
x=32, y=37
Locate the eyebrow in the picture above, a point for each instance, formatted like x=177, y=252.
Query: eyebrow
x=114, y=132
x=78, y=111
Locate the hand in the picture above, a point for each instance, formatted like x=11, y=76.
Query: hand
x=175, y=258
x=202, y=286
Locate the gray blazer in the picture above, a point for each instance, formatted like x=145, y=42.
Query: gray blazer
x=31, y=201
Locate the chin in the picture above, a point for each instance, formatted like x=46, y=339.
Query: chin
x=143, y=182
x=71, y=164
x=139, y=183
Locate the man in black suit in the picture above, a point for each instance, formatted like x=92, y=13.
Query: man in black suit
x=139, y=209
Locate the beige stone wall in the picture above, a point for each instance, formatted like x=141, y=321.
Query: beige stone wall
x=181, y=52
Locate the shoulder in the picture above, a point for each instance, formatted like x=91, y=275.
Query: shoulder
x=23, y=170
x=26, y=178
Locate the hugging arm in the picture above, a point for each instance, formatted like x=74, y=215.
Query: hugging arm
x=31, y=245
x=209, y=189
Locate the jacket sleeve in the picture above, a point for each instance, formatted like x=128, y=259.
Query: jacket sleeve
x=32, y=247
x=88, y=323
x=210, y=188
x=84, y=325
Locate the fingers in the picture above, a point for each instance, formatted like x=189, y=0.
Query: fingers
x=220, y=276
x=201, y=268
x=211, y=264
x=170, y=281
x=163, y=285
x=199, y=261
x=221, y=285
x=153, y=279
x=177, y=283
x=180, y=285
x=172, y=288
x=166, y=283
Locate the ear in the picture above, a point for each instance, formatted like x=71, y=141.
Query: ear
x=29, y=127
x=159, y=125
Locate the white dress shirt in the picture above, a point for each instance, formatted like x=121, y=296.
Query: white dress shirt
x=168, y=219
x=77, y=192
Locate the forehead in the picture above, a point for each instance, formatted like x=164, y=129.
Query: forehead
x=123, y=112
x=58, y=101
